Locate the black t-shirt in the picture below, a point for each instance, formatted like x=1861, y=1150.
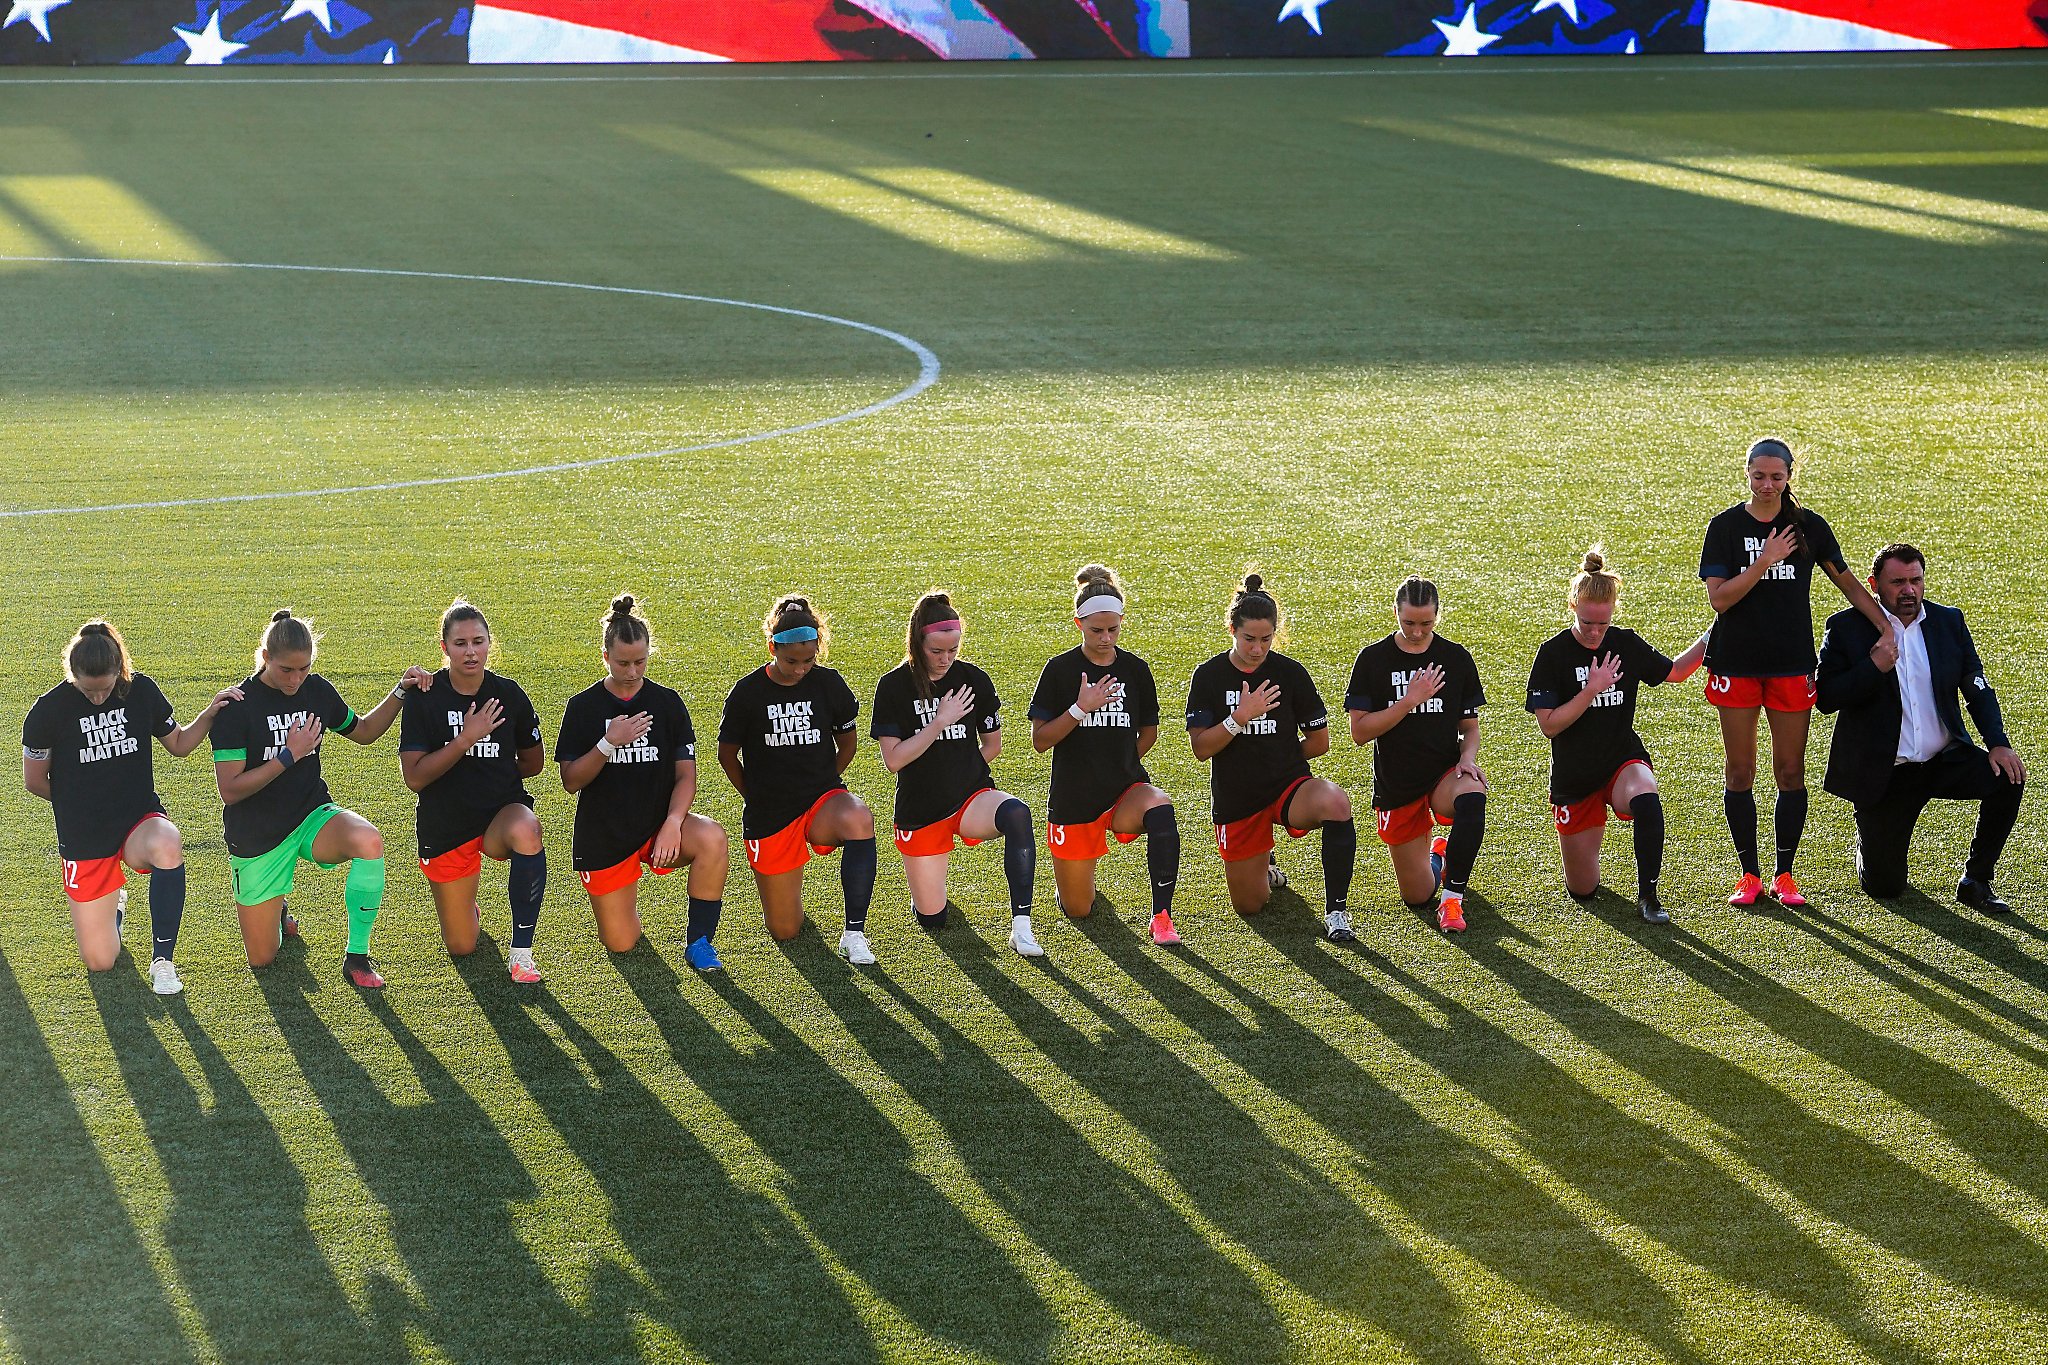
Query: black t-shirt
x=1098, y=760
x=1410, y=759
x=952, y=769
x=1769, y=633
x=624, y=805
x=787, y=741
x=1588, y=751
x=102, y=773
x=460, y=804
x=1254, y=768
x=253, y=729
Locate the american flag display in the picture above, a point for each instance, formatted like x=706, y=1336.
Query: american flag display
x=243, y=32
x=231, y=32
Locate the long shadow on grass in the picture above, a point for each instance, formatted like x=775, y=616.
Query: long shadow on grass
x=729, y=1273
x=1992, y=943
x=237, y=1227
x=1832, y=1170
x=1279, y=1205
x=1639, y=1172
x=1102, y=1225
x=849, y=1172
x=1940, y=992
x=447, y=1177
x=75, y=1279
x=1455, y=1189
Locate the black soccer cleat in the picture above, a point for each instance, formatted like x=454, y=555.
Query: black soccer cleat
x=1652, y=910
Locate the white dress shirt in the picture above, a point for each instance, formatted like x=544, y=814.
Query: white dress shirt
x=1921, y=733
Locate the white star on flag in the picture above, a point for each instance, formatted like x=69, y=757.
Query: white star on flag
x=318, y=9
x=1570, y=7
x=1310, y=10
x=207, y=47
x=37, y=12
x=1465, y=38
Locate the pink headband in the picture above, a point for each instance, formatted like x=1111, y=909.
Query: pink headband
x=952, y=623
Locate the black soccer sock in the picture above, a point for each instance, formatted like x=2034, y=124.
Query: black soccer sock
x=1468, y=827
x=1790, y=822
x=166, y=909
x=525, y=886
x=1162, y=855
x=857, y=880
x=1340, y=860
x=703, y=921
x=1647, y=813
x=1020, y=853
x=1740, y=808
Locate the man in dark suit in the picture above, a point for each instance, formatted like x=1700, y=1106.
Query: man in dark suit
x=1899, y=739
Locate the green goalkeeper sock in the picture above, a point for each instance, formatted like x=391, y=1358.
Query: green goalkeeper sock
x=363, y=894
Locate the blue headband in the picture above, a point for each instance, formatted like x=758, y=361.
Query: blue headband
x=795, y=635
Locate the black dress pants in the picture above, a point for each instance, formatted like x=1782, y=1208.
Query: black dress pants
x=1884, y=827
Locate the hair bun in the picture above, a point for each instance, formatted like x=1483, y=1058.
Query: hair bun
x=1253, y=583
x=95, y=628
x=1093, y=573
x=622, y=605
x=281, y=614
x=1595, y=561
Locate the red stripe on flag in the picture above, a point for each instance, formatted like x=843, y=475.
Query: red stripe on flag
x=753, y=31
x=1966, y=23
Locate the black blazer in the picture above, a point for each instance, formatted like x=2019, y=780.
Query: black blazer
x=1866, y=742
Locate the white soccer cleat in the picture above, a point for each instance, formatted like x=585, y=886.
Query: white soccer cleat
x=163, y=977
x=1337, y=924
x=120, y=910
x=1275, y=878
x=1022, y=939
x=853, y=946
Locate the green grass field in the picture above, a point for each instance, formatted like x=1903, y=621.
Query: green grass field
x=1346, y=323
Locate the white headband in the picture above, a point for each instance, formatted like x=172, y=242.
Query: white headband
x=1100, y=602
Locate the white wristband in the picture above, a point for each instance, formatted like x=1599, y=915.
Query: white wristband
x=1232, y=724
x=606, y=747
x=1076, y=712
x=399, y=691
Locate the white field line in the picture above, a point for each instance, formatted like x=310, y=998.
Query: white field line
x=1161, y=69
x=927, y=375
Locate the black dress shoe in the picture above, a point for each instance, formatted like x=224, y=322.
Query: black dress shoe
x=1651, y=911
x=1980, y=897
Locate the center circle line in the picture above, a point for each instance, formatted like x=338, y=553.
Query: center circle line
x=927, y=375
